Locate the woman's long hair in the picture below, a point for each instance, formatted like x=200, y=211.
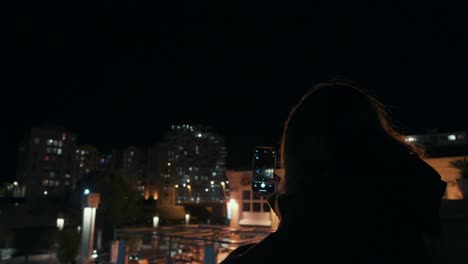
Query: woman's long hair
x=336, y=120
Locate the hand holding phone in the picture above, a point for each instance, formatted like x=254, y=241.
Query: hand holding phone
x=263, y=170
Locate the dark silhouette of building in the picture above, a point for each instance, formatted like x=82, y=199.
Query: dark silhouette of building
x=192, y=165
x=45, y=162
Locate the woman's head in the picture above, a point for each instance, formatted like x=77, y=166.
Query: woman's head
x=335, y=121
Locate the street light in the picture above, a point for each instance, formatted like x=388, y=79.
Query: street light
x=155, y=221
x=60, y=223
x=187, y=218
x=190, y=190
x=224, y=188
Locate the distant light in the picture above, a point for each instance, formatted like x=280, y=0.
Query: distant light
x=452, y=137
x=410, y=139
x=188, y=180
x=227, y=182
x=206, y=190
x=86, y=192
x=212, y=182
x=45, y=192
x=46, y=157
x=184, y=184
x=177, y=186
x=168, y=164
x=214, y=173
x=15, y=183
x=199, y=135
x=155, y=221
x=60, y=223
x=64, y=136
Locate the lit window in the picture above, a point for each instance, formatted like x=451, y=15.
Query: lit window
x=48, y=150
x=77, y=151
x=67, y=175
x=60, y=143
x=50, y=142
x=214, y=173
x=59, y=151
x=46, y=157
x=206, y=190
x=196, y=177
x=45, y=192
x=52, y=174
x=197, y=150
x=81, y=165
x=132, y=153
x=188, y=180
x=36, y=140
x=199, y=135
x=45, y=182
x=64, y=136
x=82, y=152
x=55, y=142
x=452, y=137
x=212, y=182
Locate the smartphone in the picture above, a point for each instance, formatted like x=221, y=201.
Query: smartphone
x=263, y=169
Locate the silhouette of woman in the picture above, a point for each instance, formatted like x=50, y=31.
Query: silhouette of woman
x=354, y=191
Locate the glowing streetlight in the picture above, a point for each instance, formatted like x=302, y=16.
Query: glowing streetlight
x=60, y=223
x=189, y=189
x=155, y=221
x=187, y=218
x=224, y=188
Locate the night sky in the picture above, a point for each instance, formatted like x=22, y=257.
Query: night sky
x=120, y=73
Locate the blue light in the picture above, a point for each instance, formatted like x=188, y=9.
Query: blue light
x=86, y=192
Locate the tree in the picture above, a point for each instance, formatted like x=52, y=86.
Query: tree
x=6, y=237
x=117, y=206
x=68, y=242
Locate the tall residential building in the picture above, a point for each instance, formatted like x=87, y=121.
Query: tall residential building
x=45, y=162
x=134, y=161
x=192, y=167
x=87, y=159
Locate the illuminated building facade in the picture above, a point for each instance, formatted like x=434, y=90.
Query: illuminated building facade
x=193, y=164
x=45, y=162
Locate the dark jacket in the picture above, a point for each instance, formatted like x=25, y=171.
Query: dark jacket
x=378, y=212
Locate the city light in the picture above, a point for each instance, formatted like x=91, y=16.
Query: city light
x=86, y=192
x=155, y=221
x=60, y=223
x=45, y=192
x=176, y=186
x=15, y=183
x=187, y=218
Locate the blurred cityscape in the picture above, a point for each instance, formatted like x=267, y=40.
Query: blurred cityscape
x=173, y=202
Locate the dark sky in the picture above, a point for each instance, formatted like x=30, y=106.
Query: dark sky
x=120, y=73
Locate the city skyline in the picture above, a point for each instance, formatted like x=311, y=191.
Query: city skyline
x=120, y=80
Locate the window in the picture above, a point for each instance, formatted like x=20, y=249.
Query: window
x=256, y=207
x=50, y=142
x=60, y=143
x=48, y=150
x=55, y=142
x=246, y=195
x=59, y=151
x=246, y=207
x=66, y=183
x=45, y=182
x=37, y=140
x=266, y=207
x=52, y=174
x=67, y=175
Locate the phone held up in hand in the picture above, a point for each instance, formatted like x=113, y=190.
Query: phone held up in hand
x=263, y=169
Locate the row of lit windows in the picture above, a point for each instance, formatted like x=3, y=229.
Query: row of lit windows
x=57, y=151
x=50, y=183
